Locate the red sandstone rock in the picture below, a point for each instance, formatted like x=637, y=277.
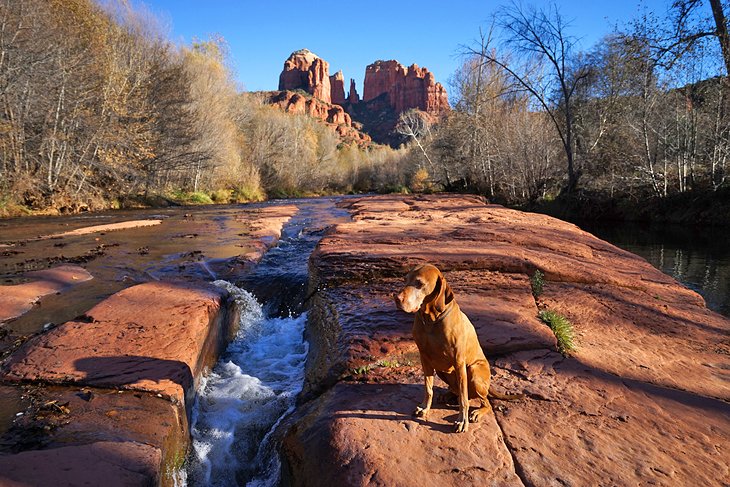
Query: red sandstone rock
x=154, y=337
x=364, y=434
x=337, y=85
x=306, y=71
x=591, y=427
x=352, y=96
x=407, y=88
x=19, y=298
x=103, y=463
x=643, y=401
x=109, y=227
x=333, y=115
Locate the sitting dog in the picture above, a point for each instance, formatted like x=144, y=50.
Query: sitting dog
x=447, y=343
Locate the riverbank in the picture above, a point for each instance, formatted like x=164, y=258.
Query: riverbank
x=9, y=208
x=691, y=208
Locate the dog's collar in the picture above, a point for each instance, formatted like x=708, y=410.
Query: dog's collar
x=440, y=317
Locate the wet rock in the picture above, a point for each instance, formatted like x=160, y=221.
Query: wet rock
x=105, y=228
x=154, y=337
x=19, y=298
x=102, y=463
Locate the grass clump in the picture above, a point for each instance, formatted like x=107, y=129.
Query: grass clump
x=562, y=328
x=537, y=281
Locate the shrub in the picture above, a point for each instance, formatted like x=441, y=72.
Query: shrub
x=562, y=328
x=420, y=181
x=221, y=196
x=245, y=194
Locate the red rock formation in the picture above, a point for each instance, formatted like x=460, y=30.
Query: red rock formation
x=353, y=97
x=337, y=85
x=331, y=114
x=306, y=71
x=407, y=88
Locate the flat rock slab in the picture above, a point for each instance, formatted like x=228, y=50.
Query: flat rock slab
x=153, y=337
x=463, y=233
x=108, y=227
x=17, y=299
x=639, y=335
x=364, y=434
x=110, y=464
x=55, y=416
x=595, y=428
x=266, y=225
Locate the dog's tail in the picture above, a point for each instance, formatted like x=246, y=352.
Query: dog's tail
x=504, y=397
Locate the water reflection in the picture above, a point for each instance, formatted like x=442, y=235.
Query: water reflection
x=698, y=257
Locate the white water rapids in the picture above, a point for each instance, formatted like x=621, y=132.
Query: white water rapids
x=252, y=387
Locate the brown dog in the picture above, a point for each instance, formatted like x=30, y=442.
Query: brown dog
x=448, y=344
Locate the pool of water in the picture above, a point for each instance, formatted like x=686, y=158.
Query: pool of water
x=698, y=257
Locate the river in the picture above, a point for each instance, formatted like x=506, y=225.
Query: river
x=698, y=257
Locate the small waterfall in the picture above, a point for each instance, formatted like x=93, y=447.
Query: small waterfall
x=252, y=387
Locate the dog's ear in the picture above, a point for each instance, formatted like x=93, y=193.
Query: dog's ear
x=436, y=302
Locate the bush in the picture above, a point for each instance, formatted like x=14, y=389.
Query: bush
x=562, y=328
x=221, y=196
x=420, y=181
x=246, y=194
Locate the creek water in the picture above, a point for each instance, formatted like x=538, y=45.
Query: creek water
x=698, y=257
x=256, y=381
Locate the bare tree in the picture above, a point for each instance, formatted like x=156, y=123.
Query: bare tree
x=542, y=65
x=416, y=125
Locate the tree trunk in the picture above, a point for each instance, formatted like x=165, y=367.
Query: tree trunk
x=722, y=33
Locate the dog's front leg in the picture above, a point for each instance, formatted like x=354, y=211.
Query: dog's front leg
x=462, y=424
x=428, y=372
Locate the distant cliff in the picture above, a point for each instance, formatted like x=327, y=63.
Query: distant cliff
x=389, y=90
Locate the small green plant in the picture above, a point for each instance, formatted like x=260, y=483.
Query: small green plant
x=389, y=363
x=362, y=370
x=562, y=328
x=537, y=281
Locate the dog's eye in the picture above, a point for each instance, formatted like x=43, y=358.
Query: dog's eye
x=419, y=284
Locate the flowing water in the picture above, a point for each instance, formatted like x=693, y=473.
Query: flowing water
x=698, y=257
x=255, y=383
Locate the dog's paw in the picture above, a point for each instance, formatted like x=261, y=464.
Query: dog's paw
x=420, y=412
x=461, y=426
x=476, y=414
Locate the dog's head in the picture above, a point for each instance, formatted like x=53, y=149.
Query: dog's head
x=425, y=289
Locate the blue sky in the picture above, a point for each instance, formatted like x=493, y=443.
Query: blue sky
x=351, y=35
